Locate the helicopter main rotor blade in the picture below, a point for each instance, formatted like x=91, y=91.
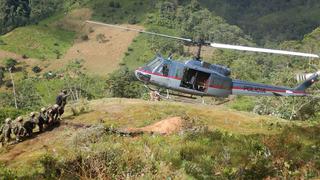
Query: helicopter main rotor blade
x=140, y=31
x=253, y=49
x=215, y=45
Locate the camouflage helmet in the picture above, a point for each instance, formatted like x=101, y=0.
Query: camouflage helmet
x=43, y=109
x=8, y=120
x=32, y=114
x=56, y=106
x=20, y=118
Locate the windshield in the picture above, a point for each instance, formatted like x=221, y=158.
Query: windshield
x=153, y=65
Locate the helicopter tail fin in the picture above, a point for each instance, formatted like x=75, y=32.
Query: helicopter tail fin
x=310, y=79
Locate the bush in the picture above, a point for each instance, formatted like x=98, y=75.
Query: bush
x=133, y=20
x=6, y=173
x=51, y=166
x=9, y=112
x=123, y=83
x=36, y=69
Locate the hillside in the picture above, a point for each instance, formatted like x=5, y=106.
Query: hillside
x=269, y=21
x=110, y=130
x=205, y=130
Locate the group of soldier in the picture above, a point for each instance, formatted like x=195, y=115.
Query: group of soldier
x=23, y=128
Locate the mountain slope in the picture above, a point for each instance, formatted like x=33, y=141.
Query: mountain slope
x=272, y=21
x=207, y=132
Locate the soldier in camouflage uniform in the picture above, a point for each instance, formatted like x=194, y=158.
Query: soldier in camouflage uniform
x=18, y=129
x=5, y=131
x=53, y=114
x=61, y=101
x=42, y=119
x=29, y=125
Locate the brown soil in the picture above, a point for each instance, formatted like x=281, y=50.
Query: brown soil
x=165, y=127
x=39, y=143
x=101, y=57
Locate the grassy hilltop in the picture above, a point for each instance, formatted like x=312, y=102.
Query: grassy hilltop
x=213, y=142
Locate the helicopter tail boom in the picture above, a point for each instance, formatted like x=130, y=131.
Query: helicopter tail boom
x=255, y=89
x=308, y=82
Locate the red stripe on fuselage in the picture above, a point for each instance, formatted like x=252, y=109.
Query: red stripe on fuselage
x=158, y=74
x=221, y=87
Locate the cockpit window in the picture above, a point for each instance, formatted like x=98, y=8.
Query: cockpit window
x=155, y=64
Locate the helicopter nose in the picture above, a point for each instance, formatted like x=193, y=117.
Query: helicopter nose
x=142, y=76
x=136, y=74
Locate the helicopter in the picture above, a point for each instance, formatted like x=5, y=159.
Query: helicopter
x=197, y=77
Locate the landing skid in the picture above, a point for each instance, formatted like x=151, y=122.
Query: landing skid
x=175, y=97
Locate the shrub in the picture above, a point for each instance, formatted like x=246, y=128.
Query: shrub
x=133, y=20
x=123, y=83
x=6, y=173
x=9, y=112
x=51, y=166
x=36, y=69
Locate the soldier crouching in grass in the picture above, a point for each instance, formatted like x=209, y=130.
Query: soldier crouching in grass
x=29, y=125
x=18, y=129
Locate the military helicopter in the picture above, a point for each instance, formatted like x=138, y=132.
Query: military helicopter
x=196, y=77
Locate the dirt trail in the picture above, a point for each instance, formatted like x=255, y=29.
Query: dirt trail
x=40, y=143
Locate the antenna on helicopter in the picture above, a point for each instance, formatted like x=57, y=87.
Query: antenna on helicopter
x=198, y=56
x=213, y=44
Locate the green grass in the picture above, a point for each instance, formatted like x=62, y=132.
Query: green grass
x=242, y=103
x=38, y=41
x=102, y=11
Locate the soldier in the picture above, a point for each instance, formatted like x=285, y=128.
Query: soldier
x=53, y=114
x=61, y=101
x=42, y=119
x=6, y=130
x=18, y=129
x=29, y=125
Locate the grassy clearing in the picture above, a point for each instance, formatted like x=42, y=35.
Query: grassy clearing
x=38, y=41
x=121, y=11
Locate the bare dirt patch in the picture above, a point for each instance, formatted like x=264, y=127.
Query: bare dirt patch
x=102, y=57
x=164, y=127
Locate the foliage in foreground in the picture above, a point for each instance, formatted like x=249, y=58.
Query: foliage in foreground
x=199, y=154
